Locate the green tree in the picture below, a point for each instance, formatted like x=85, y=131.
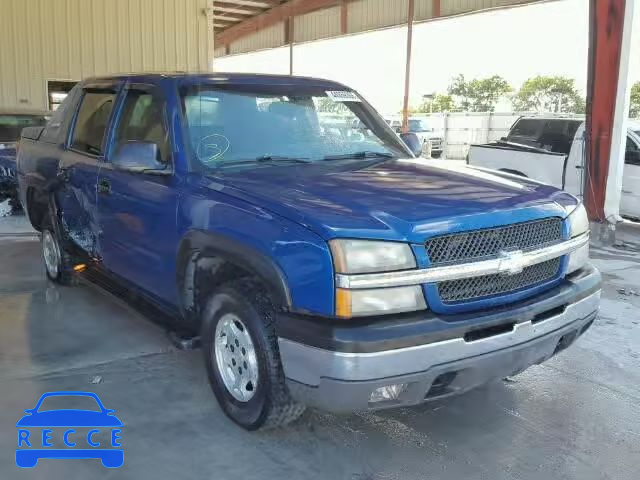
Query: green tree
x=325, y=104
x=479, y=94
x=442, y=103
x=549, y=94
x=439, y=103
x=634, y=108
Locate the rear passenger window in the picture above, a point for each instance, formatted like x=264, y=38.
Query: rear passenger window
x=52, y=133
x=143, y=120
x=92, y=120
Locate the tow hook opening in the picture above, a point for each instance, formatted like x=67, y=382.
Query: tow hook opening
x=481, y=333
x=440, y=385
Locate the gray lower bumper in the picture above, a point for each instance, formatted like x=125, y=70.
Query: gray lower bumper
x=343, y=381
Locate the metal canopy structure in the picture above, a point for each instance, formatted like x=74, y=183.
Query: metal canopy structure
x=230, y=13
x=247, y=25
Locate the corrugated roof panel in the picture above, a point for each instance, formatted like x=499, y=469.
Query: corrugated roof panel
x=423, y=9
x=371, y=14
x=456, y=7
x=316, y=25
x=267, y=38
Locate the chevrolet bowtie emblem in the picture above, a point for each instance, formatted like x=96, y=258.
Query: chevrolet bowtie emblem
x=511, y=263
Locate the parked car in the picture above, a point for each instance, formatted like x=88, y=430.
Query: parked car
x=322, y=269
x=551, y=150
x=12, y=121
x=432, y=141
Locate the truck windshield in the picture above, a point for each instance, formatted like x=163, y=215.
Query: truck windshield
x=555, y=135
x=291, y=125
x=12, y=125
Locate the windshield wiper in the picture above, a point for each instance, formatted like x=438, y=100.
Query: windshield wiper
x=361, y=154
x=281, y=158
x=264, y=159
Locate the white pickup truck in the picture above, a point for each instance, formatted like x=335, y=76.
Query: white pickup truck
x=552, y=150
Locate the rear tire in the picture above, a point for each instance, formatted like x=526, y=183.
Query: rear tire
x=261, y=398
x=56, y=260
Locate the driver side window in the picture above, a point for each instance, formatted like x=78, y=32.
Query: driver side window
x=143, y=119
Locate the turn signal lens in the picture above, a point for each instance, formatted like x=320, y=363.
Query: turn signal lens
x=343, y=303
x=81, y=267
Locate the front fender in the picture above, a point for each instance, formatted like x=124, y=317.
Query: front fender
x=294, y=262
x=212, y=244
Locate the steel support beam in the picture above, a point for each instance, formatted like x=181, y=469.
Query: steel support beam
x=277, y=14
x=407, y=73
x=607, y=106
x=289, y=35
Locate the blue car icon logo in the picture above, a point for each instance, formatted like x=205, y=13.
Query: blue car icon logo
x=72, y=429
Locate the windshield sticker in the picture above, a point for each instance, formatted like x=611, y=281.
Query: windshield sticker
x=211, y=148
x=342, y=96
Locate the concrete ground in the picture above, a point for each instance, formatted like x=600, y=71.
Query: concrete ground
x=575, y=417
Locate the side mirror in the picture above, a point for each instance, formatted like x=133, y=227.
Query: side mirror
x=412, y=141
x=138, y=157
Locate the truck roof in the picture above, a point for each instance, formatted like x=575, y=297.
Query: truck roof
x=554, y=116
x=224, y=78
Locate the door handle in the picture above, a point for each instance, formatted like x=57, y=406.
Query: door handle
x=579, y=167
x=104, y=186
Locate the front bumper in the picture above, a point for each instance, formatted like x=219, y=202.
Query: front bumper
x=341, y=375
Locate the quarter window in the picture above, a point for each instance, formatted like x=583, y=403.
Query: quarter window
x=92, y=120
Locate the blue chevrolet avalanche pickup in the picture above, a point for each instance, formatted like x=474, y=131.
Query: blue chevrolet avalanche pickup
x=321, y=264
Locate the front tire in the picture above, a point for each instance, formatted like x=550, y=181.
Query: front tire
x=241, y=355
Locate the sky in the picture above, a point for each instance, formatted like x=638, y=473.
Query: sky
x=518, y=43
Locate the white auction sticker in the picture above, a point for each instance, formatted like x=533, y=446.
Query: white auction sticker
x=342, y=96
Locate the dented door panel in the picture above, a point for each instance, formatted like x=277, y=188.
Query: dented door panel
x=77, y=200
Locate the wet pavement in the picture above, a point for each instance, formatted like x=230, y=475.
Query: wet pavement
x=575, y=417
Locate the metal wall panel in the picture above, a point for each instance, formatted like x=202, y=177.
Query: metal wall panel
x=365, y=15
x=316, y=25
x=44, y=40
x=267, y=38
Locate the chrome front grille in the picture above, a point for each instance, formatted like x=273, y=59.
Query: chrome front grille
x=488, y=243
x=478, y=245
x=474, y=288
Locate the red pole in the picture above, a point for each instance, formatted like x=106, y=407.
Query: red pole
x=606, y=18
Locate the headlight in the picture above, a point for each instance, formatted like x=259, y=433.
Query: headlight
x=379, y=301
x=578, y=221
x=578, y=225
x=368, y=256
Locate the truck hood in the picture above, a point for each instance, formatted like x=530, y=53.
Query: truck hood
x=405, y=200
